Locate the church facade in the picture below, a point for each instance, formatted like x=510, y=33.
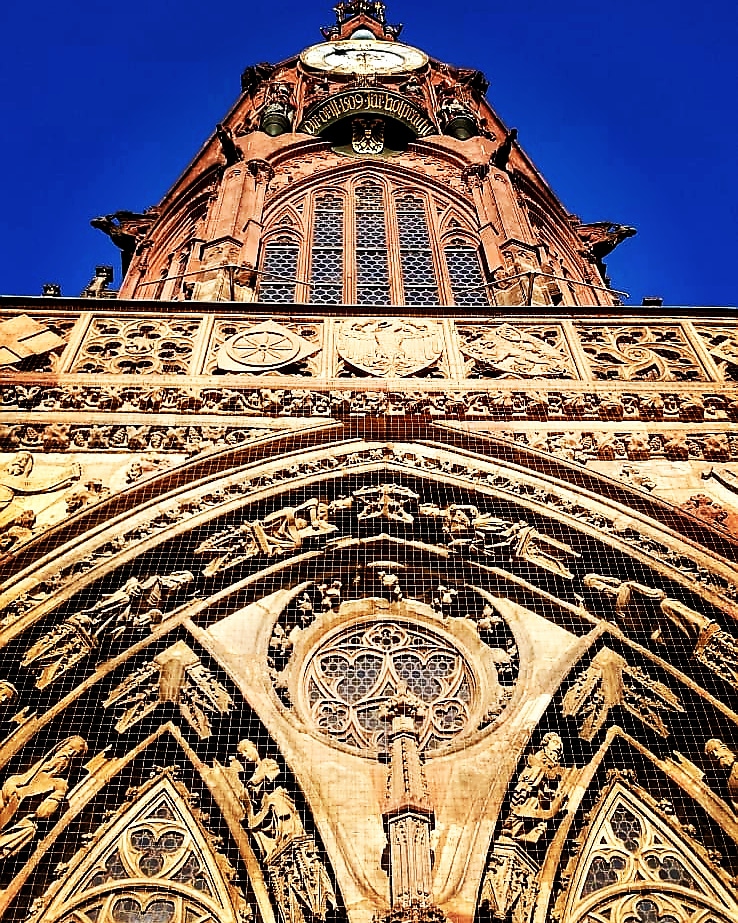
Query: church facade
x=364, y=557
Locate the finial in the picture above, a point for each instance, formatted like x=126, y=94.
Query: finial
x=352, y=14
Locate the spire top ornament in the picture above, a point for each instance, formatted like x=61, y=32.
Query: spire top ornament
x=353, y=16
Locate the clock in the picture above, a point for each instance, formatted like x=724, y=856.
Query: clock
x=363, y=57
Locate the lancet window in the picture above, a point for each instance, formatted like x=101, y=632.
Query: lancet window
x=371, y=241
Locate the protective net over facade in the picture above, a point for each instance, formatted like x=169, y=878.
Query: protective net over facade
x=364, y=557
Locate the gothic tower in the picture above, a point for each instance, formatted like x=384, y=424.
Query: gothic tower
x=363, y=557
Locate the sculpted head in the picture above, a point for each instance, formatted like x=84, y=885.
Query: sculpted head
x=553, y=746
x=720, y=753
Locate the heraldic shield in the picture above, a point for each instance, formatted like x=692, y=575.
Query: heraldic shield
x=390, y=347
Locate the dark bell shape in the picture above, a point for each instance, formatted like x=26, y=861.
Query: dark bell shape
x=461, y=127
x=275, y=123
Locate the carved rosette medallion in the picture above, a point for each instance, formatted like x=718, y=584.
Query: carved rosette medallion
x=390, y=347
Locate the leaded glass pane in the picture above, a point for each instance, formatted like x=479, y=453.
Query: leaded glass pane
x=279, y=273
x=326, y=271
x=465, y=273
x=372, y=269
x=418, y=271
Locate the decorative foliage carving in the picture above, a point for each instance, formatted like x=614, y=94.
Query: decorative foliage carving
x=507, y=351
x=134, y=607
x=609, y=681
x=429, y=403
x=45, y=786
x=640, y=353
x=153, y=861
x=298, y=879
x=138, y=346
x=176, y=675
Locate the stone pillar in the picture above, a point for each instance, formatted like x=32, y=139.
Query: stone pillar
x=408, y=815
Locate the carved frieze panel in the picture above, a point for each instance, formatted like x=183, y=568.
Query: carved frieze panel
x=137, y=346
x=721, y=341
x=429, y=401
x=265, y=348
x=390, y=348
x=520, y=351
x=654, y=352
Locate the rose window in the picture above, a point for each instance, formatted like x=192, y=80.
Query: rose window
x=351, y=676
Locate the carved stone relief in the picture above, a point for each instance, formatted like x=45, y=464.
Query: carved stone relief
x=178, y=676
x=390, y=348
x=540, y=792
x=609, y=681
x=42, y=788
x=636, y=864
x=153, y=860
x=507, y=351
x=134, y=608
x=297, y=877
x=721, y=342
x=640, y=353
x=266, y=348
x=137, y=346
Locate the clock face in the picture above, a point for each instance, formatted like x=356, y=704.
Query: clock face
x=364, y=57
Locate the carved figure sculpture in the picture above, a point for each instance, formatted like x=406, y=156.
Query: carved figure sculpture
x=134, y=606
x=473, y=532
x=538, y=795
x=45, y=785
x=176, y=675
x=18, y=479
x=727, y=760
x=298, y=878
x=387, y=501
x=278, y=533
x=715, y=648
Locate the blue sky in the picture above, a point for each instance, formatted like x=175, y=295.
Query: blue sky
x=628, y=109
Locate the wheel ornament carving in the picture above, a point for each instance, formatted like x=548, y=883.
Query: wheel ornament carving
x=263, y=347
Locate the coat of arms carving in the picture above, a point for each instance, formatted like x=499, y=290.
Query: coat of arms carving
x=390, y=347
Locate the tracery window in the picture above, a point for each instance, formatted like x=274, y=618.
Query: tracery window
x=371, y=241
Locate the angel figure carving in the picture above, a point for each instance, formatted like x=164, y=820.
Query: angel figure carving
x=298, y=878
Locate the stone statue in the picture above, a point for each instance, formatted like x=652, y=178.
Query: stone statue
x=472, y=532
x=387, y=501
x=278, y=533
x=538, y=793
x=298, y=878
x=727, y=760
x=43, y=784
x=134, y=606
